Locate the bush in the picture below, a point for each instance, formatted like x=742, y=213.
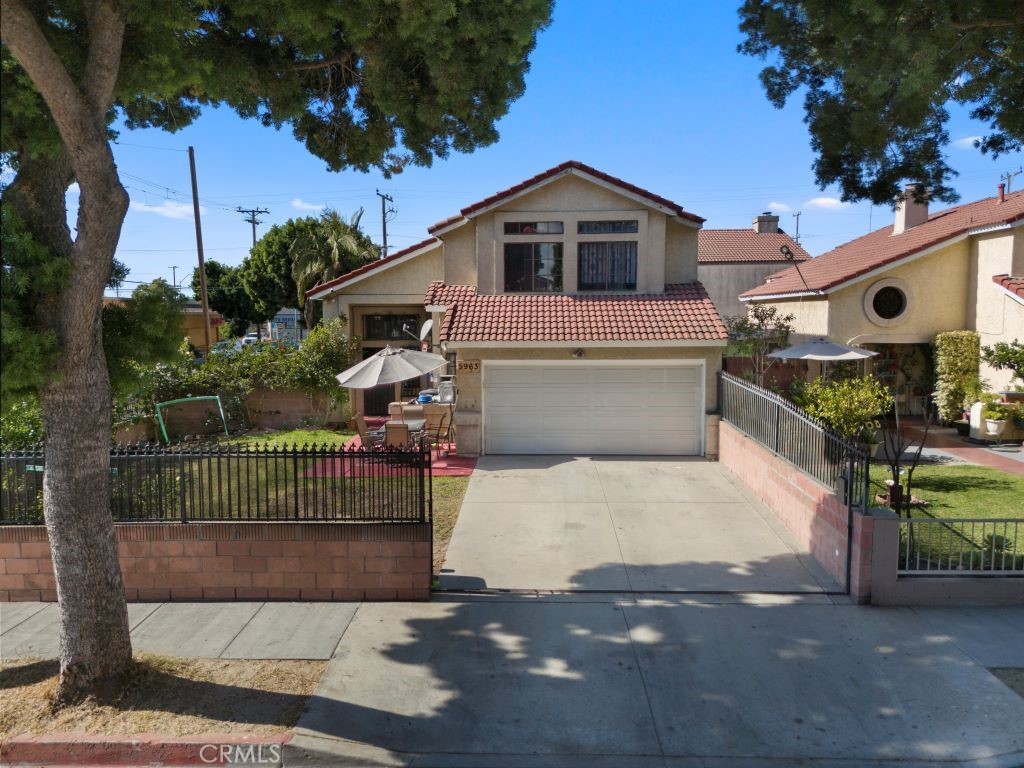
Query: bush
x=21, y=425
x=1008, y=357
x=847, y=406
x=957, y=356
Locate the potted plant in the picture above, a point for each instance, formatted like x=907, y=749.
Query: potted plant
x=995, y=414
x=867, y=437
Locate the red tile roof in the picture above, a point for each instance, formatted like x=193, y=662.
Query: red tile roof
x=683, y=312
x=566, y=167
x=728, y=245
x=1014, y=285
x=881, y=247
x=371, y=266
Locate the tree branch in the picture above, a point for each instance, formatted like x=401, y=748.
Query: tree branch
x=29, y=46
x=106, y=36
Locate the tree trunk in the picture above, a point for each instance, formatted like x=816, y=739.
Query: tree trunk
x=95, y=645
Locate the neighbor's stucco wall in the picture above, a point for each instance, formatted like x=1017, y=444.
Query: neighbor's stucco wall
x=725, y=282
x=468, y=417
x=810, y=316
x=937, y=287
x=997, y=316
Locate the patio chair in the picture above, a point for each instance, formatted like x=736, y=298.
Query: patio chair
x=396, y=435
x=438, y=423
x=369, y=438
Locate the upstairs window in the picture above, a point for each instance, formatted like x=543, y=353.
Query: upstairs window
x=533, y=267
x=391, y=327
x=534, y=228
x=608, y=266
x=611, y=227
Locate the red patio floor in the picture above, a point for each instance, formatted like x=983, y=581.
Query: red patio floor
x=974, y=453
x=441, y=466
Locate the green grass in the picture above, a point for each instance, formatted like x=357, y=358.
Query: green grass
x=448, y=495
x=963, y=491
x=289, y=437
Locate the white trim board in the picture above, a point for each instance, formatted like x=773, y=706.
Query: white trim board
x=616, y=344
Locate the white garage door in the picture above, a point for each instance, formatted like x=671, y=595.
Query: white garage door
x=595, y=409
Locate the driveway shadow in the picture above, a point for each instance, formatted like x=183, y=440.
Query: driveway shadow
x=587, y=680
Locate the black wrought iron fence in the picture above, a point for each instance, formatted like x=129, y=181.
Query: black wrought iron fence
x=791, y=433
x=203, y=482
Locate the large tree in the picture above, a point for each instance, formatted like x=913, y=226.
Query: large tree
x=266, y=272
x=878, y=78
x=367, y=83
x=228, y=295
x=327, y=251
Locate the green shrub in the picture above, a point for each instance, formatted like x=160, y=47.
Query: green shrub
x=847, y=406
x=1003, y=356
x=21, y=425
x=957, y=356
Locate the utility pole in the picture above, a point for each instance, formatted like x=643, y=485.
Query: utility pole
x=384, y=211
x=174, y=277
x=796, y=237
x=1008, y=177
x=199, y=248
x=253, y=213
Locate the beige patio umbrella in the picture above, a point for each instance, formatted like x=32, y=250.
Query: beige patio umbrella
x=822, y=349
x=390, y=365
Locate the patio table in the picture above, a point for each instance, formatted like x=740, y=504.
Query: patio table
x=415, y=425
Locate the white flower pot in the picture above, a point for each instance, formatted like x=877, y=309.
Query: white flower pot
x=994, y=427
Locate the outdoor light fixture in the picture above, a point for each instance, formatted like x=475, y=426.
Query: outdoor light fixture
x=577, y=354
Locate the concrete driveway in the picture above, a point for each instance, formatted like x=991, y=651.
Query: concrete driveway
x=619, y=525
x=674, y=681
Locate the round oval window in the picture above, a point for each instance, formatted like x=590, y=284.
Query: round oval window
x=889, y=302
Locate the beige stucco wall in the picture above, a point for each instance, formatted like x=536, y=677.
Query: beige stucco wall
x=473, y=253
x=725, y=282
x=468, y=416
x=680, y=253
x=403, y=284
x=997, y=317
x=810, y=317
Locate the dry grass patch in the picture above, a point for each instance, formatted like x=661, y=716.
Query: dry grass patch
x=175, y=697
x=448, y=495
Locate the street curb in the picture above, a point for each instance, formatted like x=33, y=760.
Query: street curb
x=150, y=749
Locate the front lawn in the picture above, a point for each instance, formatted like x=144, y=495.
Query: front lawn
x=286, y=438
x=448, y=495
x=961, y=490
x=955, y=491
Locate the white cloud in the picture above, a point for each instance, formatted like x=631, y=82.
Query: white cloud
x=780, y=207
x=302, y=205
x=967, y=142
x=168, y=209
x=826, y=203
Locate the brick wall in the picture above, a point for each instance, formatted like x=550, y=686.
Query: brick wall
x=240, y=561
x=811, y=512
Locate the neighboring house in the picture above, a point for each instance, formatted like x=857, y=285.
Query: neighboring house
x=570, y=308
x=895, y=288
x=192, y=322
x=731, y=261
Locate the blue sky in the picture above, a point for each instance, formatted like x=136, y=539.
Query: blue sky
x=653, y=92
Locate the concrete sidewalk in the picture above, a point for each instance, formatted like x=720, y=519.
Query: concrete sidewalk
x=196, y=630
x=609, y=680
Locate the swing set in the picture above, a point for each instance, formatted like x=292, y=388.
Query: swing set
x=160, y=417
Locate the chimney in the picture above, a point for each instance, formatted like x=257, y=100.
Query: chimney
x=766, y=223
x=1002, y=193
x=909, y=212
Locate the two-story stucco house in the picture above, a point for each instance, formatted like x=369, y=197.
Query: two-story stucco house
x=892, y=290
x=570, y=308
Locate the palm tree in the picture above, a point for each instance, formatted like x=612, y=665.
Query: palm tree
x=333, y=248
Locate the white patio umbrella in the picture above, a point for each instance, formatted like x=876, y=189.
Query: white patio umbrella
x=822, y=349
x=389, y=365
